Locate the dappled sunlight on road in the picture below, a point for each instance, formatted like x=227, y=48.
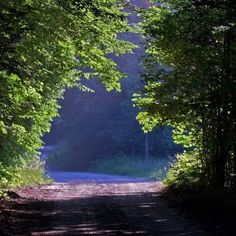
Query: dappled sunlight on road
x=142, y=214
x=81, y=190
x=94, y=208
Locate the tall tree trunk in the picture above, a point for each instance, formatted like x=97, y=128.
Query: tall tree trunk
x=219, y=159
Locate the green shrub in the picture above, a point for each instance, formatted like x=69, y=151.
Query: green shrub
x=5, y=176
x=30, y=173
x=185, y=171
x=26, y=172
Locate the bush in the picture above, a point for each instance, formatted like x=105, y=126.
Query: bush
x=185, y=171
x=26, y=172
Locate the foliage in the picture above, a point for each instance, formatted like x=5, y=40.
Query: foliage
x=92, y=125
x=26, y=172
x=47, y=46
x=135, y=166
x=186, y=171
x=190, y=79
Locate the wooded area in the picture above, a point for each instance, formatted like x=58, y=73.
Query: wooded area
x=95, y=128
x=195, y=91
x=48, y=46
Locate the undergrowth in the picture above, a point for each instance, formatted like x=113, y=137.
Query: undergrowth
x=185, y=172
x=132, y=166
x=25, y=173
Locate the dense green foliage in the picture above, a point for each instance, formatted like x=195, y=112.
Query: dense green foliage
x=41, y=44
x=191, y=81
x=185, y=172
x=49, y=46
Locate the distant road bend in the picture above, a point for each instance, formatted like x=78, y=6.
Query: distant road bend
x=85, y=203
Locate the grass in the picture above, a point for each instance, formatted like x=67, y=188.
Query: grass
x=132, y=166
x=27, y=173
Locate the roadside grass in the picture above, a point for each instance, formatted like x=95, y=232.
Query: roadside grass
x=132, y=166
x=26, y=173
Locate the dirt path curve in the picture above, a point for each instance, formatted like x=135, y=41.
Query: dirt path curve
x=93, y=208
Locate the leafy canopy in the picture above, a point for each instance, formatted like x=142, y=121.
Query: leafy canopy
x=190, y=78
x=47, y=46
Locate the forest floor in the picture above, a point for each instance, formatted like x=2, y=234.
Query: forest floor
x=84, y=208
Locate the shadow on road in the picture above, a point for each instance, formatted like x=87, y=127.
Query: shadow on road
x=137, y=214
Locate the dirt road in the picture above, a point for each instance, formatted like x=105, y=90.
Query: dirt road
x=96, y=208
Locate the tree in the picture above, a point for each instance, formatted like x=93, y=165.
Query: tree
x=47, y=46
x=191, y=80
x=103, y=125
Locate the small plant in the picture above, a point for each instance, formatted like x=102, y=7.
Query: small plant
x=31, y=172
x=185, y=171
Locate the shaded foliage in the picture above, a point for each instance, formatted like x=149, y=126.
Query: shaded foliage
x=41, y=44
x=190, y=80
x=94, y=126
